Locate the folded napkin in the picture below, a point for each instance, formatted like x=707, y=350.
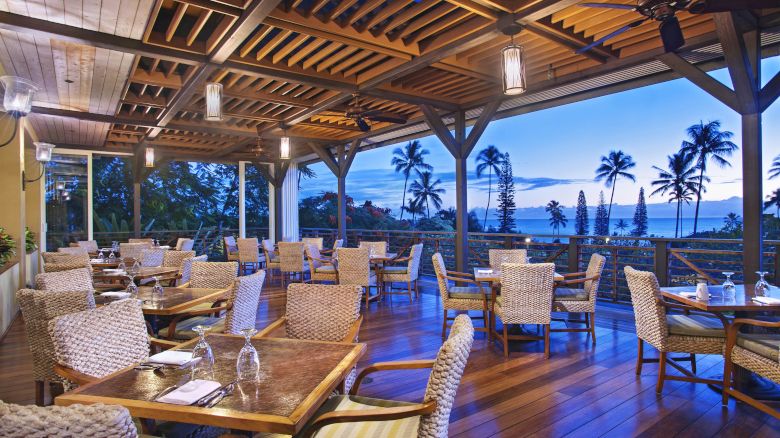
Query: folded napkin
x=767, y=300
x=171, y=357
x=119, y=295
x=190, y=392
x=484, y=271
x=688, y=294
x=114, y=271
x=164, y=247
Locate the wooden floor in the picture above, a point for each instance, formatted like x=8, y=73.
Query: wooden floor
x=581, y=390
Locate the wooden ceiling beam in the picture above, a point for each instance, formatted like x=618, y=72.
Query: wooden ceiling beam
x=476, y=8
x=700, y=78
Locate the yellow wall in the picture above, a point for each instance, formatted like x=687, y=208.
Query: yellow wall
x=12, y=214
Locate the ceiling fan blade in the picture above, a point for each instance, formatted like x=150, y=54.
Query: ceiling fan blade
x=599, y=41
x=710, y=6
x=608, y=5
x=671, y=34
x=362, y=124
x=389, y=118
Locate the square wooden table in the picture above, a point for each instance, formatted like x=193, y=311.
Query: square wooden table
x=296, y=377
x=174, y=300
x=741, y=301
x=145, y=273
x=494, y=276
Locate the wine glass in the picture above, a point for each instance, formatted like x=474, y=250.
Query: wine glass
x=248, y=362
x=157, y=291
x=136, y=268
x=728, y=286
x=122, y=266
x=202, y=355
x=101, y=255
x=132, y=289
x=111, y=256
x=761, y=285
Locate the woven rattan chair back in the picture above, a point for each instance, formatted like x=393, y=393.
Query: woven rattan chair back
x=353, y=266
x=56, y=262
x=100, y=341
x=291, y=256
x=243, y=301
x=338, y=243
x=248, y=252
x=595, y=268
x=316, y=241
x=230, y=244
x=89, y=245
x=72, y=250
x=79, y=279
x=321, y=312
x=268, y=246
x=314, y=256
x=187, y=245
x=213, y=274
x=133, y=250
x=152, y=258
x=650, y=316
x=186, y=267
x=445, y=377
x=498, y=256
x=441, y=273
x=92, y=421
x=377, y=248
x=526, y=293
x=175, y=259
x=413, y=267
x=145, y=240
x=38, y=308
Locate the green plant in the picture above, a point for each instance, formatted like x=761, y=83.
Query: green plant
x=7, y=246
x=29, y=241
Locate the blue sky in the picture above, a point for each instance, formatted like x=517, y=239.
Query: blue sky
x=555, y=152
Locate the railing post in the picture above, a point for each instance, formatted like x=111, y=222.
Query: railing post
x=776, y=273
x=574, y=255
x=661, y=265
x=507, y=242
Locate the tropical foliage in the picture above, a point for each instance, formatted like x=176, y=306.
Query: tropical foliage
x=30, y=244
x=773, y=201
x=640, y=215
x=489, y=159
x=601, y=227
x=679, y=181
x=427, y=191
x=581, y=224
x=506, y=197
x=557, y=218
x=410, y=158
x=614, y=166
x=7, y=246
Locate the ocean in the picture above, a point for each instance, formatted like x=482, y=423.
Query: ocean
x=661, y=227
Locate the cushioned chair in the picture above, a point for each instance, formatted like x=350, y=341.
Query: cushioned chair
x=316, y=241
x=186, y=269
x=38, y=308
x=184, y=244
x=175, y=259
x=756, y=352
x=64, y=281
x=460, y=298
x=407, y=273
x=89, y=421
x=692, y=333
x=72, y=250
x=291, y=260
x=580, y=300
x=526, y=298
x=153, y=257
x=133, y=250
x=145, y=241
x=353, y=267
x=351, y=416
x=249, y=255
x=271, y=258
x=231, y=248
x=240, y=311
x=498, y=256
x=212, y=274
x=89, y=245
x=56, y=262
x=338, y=243
x=320, y=268
x=377, y=248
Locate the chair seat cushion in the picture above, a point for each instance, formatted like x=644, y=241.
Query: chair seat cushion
x=326, y=269
x=566, y=294
x=405, y=427
x=695, y=325
x=763, y=344
x=395, y=270
x=466, y=293
x=184, y=328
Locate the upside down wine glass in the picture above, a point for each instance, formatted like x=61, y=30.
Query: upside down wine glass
x=761, y=285
x=132, y=289
x=203, y=356
x=248, y=362
x=728, y=286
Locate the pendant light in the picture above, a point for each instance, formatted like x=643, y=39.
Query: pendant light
x=213, y=102
x=149, y=157
x=513, y=64
x=284, y=147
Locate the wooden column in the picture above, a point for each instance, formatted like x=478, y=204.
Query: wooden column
x=275, y=174
x=136, y=209
x=752, y=197
x=242, y=199
x=339, y=164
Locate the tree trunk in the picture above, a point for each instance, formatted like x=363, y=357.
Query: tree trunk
x=611, y=197
x=427, y=208
x=490, y=184
x=698, y=200
x=677, y=219
x=403, y=200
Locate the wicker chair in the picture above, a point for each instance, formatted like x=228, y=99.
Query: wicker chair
x=338, y=243
x=145, y=240
x=526, y=298
x=65, y=281
x=316, y=241
x=175, y=259
x=353, y=267
x=580, y=300
x=291, y=260
x=57, y=262
x=184, y=244
x=403, y=274
x=355, y=416
x=240, y=311
x=133, y=250
x=671, y=333
x=756, y=352
x=153, y=257
x=185, y=273
x=248, y=255
x=460, y=298
x=377, y=248
x=72, y=250
x=496, y=257
x=231, y=248
x=320, y=268
x=90, y=421
x=38, y=308
x=271, y=257
x=89, y=245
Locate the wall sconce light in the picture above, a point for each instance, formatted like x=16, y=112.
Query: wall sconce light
x=213, y=102
x=43, y=156
x=60, y=185
x=17, y=100
x=149, y=157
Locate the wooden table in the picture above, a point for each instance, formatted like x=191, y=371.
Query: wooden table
x=296, y=377
x=742, y=301
x=106, y=263
x=174, y=300
x=495, y=276
x=144, y=273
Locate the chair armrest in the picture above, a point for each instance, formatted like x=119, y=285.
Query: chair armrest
x=184, y=285
x=389, y=366
x=264, y=333
x=352, y=335
x=379, y=414
x=459, y=274
x=683, y=307
x=399, y=260
x=733, y=329
x=463, y=280
x=573, y=274
x=163, y=344
x=181, y=316
x=73, y=375
x=577, y=281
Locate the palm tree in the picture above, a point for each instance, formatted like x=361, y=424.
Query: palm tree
x=306, y=172
x=773, y=200
x=414, y=208
x=613, y=166
x=427, y=191
x=557, y=218
x=411, y=157
x=621, y=225
x=774, y=171
x=679, y=180
x=489, y=159
x=707, y=142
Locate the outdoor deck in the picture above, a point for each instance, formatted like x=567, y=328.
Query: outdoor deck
x=580, y=391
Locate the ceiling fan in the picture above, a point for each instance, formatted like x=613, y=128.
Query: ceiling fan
x=664, y=11
x=362, y=116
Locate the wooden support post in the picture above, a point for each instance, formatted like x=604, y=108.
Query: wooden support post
x=752, y=197
x=342, y=207
x=661, y=264
x=136, y=209
x=339, y=165
x=574, y=254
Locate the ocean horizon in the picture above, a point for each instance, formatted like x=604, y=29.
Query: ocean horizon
x=660, y=227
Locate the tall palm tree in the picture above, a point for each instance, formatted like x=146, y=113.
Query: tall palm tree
x=773, y=200
x=489, y=159
x=774, y=171
x=614, y=166
x=414, y=208
x=621, y=225
x=707, y=142
x=426, y=191
x=679, y=180
x=411, y=157
x=557, y=218
x=306, y=172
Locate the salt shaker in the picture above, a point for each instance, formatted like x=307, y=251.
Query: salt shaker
x=702, y=292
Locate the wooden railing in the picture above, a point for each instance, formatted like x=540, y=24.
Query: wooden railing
x=674, y=261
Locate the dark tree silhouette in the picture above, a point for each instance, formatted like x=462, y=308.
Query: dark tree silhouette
x=581, y=224
x=410, y=158
x=614, y=166
x=506, y=197
x=640, y=215
x=489, y=159
x=601, y=227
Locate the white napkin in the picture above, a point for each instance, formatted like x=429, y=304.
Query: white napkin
x=688, y=294
x=190, y=392
x=766, y=300
x=484, y=271
x=171, y=357
x=114, y=271
x=120, y=295
x=164, y=247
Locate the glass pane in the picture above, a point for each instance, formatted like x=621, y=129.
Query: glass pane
x=256, y=203
x=112, y=198
x=66, y=200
